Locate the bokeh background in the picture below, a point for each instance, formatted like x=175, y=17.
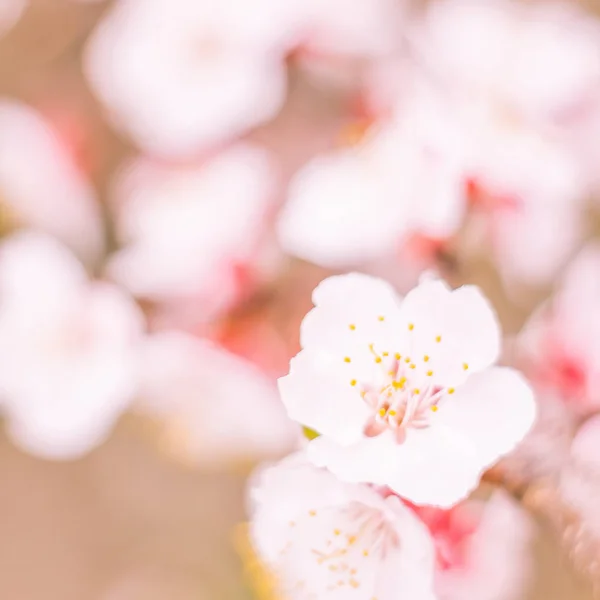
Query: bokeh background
x=154, y=510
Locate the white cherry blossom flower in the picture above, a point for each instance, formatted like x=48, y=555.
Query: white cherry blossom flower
x=324, y=538
x=182, y=75
x=219, y=409
x=524, y=79
x=40, y=186
x=67, y=347
x=404, y=392
x=359, y=203
x=185, y=230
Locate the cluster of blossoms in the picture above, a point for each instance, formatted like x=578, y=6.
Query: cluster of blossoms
x=467, y=126
x=408, y=406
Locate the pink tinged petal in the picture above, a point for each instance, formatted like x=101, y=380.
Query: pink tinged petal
x=433, y=466
x=317, y=393
x=457, y=329
x=493, y=410
x=313, y=531
x=183, y=228
x=58, y=199
x=229, y=409
x=496, y=558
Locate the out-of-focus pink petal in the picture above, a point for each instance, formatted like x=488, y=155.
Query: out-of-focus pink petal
x=495, y=561
x=225, y=409
x=68, y=348
x=41, y=187
x=186, y=230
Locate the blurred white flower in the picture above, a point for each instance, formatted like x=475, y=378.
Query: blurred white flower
x=10, y=13
x=219, y=408
x=182, y=75
x=404, y=392
x=525, y=80
x=67, y=347
x=185, y=230
x=323, y=538
x=41, y=187
x=358, y=204
x=560, y=344
x=483, y=549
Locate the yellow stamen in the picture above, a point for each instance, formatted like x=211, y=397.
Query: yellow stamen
x=407, y=360
x=347, y=359
x=411, y=326
x=399, y=384
x=465, y=366
x=351, y=540
x=385, y=353
x=381, y=318
x=336, y=532
x=382, y=412
x=378, y=359
x=397, y=356
x=434, y=408
x=353, y=382
x=438, y=339
x=354, y=583
x=312, y=513
x=426, y=358
x=352, y=327
x=429, y=373
x=416, y=391
x=392, y=413
x=365, y=553
x=451, y=390
x=412, y=366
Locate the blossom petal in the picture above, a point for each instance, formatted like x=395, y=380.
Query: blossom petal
x=494, y=410
x=433, y=466
x=318, y=394
x=457, y=329
x=321, y=536
x=352, y=312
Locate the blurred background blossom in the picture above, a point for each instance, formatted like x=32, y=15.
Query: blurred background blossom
x=177, y=176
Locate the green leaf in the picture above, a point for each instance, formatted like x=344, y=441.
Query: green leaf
x=309, y=433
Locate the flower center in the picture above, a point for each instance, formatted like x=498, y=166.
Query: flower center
x=345, y=545
x=403, y=395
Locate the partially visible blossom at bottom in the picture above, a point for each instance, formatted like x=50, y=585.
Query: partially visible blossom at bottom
x=220, y=410
x=481, y=549
x=323, y=538
x=68, y=349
